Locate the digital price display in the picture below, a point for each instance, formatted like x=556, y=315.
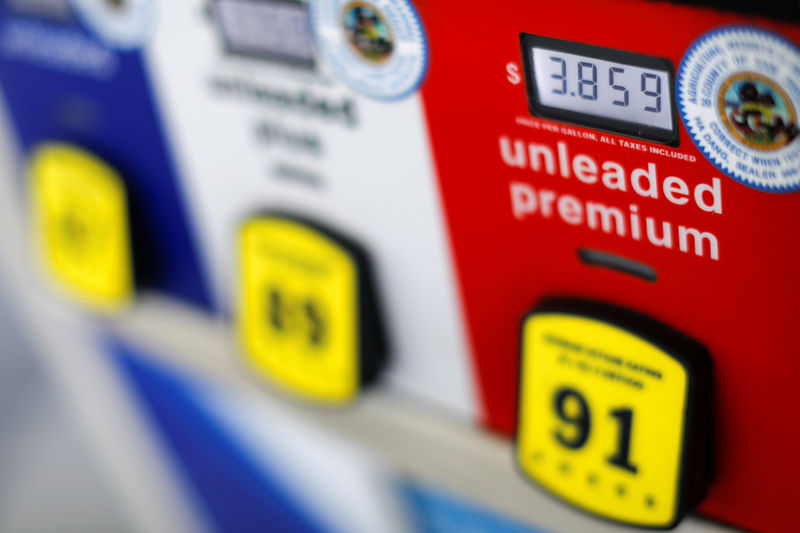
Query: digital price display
x=603, y=88
x=276, y=29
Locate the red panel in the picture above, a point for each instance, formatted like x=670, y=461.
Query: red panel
x=745, y=306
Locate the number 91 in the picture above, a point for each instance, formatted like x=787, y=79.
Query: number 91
x=571, y=408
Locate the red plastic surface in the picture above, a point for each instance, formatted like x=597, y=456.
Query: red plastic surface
x=744, y=307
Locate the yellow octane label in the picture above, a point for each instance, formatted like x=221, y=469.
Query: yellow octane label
x=80, y=221
x=601, y=418
x=298, y=309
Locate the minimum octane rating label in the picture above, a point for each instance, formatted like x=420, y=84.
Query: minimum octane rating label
x=298, y=309
x=601, y=419
x=80, y=218
x=739, y=97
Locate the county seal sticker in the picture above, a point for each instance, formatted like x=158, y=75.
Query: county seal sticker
x=376, y=48
x=738, y=94
x=122, y=24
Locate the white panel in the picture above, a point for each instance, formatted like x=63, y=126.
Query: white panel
x=372, y=180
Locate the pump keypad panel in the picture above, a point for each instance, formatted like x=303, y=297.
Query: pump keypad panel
x=605, y=413
x=305, y=314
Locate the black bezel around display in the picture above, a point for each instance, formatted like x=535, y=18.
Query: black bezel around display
x=631, y=129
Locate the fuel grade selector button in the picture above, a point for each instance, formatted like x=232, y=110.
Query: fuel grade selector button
x=613, y=412
x=307, y=314
x=80, y=217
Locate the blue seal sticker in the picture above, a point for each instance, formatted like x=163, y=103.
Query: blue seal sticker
x=376, y=47
x=739, y=98
x=121, y=24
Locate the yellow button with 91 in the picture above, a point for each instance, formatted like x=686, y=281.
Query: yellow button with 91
x=614, y=412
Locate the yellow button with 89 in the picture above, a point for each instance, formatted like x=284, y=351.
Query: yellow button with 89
x=307, y=316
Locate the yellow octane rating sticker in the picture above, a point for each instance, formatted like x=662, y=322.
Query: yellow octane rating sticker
x=80, y=221
x=298, y=309
x=602, y=418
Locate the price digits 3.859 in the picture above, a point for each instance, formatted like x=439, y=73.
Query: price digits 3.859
x=589, y=76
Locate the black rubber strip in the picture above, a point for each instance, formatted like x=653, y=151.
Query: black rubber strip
x=617, y=262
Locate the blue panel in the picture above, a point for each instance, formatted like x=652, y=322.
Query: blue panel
x=234, y=491
x=61, y=84
x=434, y=511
